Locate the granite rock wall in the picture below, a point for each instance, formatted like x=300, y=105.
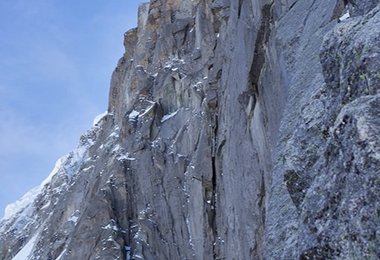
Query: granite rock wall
x=235, y=130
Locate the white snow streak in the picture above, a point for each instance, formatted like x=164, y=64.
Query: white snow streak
x=24, y=253
x=126, y=158
x=167, y=117
x=344, y=17
x=61, y=255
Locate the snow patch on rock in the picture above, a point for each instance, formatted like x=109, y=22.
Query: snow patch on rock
x=25, y=201
x=24, y=253
x=168, y=116
x=99, y=117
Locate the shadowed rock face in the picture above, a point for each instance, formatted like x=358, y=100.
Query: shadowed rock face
x=235, y=130
x=361, y=7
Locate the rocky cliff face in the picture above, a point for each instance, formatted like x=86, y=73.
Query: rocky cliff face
x=235, y=130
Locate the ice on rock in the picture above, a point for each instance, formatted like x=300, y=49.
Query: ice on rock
x=99, y=117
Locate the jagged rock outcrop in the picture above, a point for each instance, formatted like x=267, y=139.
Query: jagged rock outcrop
x=235, y=130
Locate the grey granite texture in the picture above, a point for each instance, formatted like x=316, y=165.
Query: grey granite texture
x=235, y=130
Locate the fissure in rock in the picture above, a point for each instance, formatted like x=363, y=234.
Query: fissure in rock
x=259, y=53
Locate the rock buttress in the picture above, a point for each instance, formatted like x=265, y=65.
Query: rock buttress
x=235, y=130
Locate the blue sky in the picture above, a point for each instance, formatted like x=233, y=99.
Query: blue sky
x=56, y=60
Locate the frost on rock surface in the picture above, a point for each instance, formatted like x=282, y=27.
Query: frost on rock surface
x=235, y=130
